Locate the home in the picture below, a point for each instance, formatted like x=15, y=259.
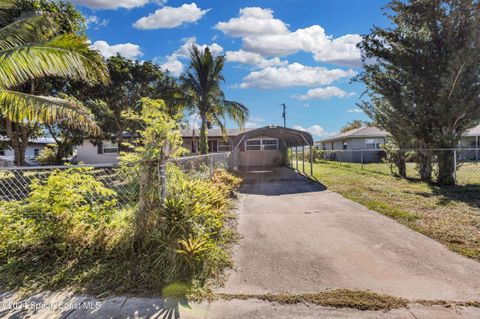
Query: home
x=471, y=138
x=348, y=144
x=217, y=142
x=34, y=148
x=266, y=146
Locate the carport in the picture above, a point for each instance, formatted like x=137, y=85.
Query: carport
x=271, y=146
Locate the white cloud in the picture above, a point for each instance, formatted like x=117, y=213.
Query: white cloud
x=172, y=65
x=127, y=50
x=263, y=34
x=111, y=4
x=172, y=62
x=294, y=74
x=171, y=17
x=95, y=22
x=315, y=129
x=354, y=110
x=253, y=21
x=254, y=122
x=252, y=58
x=324, y=93
x=342, y=50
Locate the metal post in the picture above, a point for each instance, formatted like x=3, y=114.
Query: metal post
x=455, y=166
x=211, y=165
x=296, y=157
x=303, y=159
x=476, y=147
x=311, y=160
x=362, y=158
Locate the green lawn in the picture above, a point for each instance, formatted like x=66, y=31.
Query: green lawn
x=450, y=215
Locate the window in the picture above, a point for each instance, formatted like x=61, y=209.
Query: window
x=344, y=145
x=270, y=145
x=371, y=143
x=110, y=147
x=36, y=152
x=224, y=146
x=2, y=152
x=253, y=145
x=267, y=144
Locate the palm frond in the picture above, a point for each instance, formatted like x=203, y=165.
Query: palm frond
x=20, y=107
x=7, y=4
x=66, y=56
x=236, y=111
x=26, y=30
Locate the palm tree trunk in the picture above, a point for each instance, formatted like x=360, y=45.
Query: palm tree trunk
x=203, y=135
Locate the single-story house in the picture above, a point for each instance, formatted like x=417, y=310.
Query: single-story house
x=264, y=146
x=34, y=147
x=471, y=139
x=348, y=144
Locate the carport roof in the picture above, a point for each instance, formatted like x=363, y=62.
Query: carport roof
x=291, y=136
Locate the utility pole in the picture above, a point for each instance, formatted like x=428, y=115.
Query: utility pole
x=284, y=114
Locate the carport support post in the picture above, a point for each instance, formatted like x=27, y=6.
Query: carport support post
x=303, y=159
x=311, y=160
x=296, y=158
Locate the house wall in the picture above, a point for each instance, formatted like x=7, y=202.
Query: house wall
x=88, y=153
x=30, y=151
x=469, y=142
x=187, y=143
x=353, y=145
x=249, y=158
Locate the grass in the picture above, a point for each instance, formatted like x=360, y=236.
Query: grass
x=346, y=298
x=338, y=298
x=450, y=215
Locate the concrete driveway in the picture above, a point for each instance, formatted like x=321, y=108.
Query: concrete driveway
x=299, y=237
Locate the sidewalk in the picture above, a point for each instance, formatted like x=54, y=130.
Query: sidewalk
x=139, y=308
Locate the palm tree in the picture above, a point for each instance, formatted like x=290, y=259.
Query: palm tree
x=29, y=49
x=202, y=82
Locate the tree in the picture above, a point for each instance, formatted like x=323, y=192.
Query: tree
x=31, y=48
x=202, y=82
x=354, y=125
x=130, y=82
x=422, y=76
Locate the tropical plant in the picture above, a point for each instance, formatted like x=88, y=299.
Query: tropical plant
x=31, y=49
x=202, y=81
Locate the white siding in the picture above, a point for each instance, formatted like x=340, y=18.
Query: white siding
x=88, y=153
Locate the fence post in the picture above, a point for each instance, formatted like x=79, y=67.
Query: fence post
x=455, y=166
x=211, y=165
x=362, y=158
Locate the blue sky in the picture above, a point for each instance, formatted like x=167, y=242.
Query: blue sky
x=298, y=52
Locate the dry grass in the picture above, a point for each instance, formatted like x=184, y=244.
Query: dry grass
x=338, y=298
x=450, y=215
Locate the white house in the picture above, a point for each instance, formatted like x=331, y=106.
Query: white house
x=34, y=147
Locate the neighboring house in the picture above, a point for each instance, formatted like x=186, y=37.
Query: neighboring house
x=368, y=138
x=471, y=139
x=216, y=141
x=105, y=152
x=264, y=146
x=34, y=148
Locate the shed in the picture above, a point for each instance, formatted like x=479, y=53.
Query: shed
x=268, y=146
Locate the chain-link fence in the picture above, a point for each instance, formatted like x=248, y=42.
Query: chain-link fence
x=202, y=166
x=461, y=165
x=16, y=182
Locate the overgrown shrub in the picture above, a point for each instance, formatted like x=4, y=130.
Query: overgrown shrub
x=48, y=156
x=69, y=232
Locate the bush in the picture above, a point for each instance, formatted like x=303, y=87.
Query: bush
x=48, y=155
x=69, y=232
